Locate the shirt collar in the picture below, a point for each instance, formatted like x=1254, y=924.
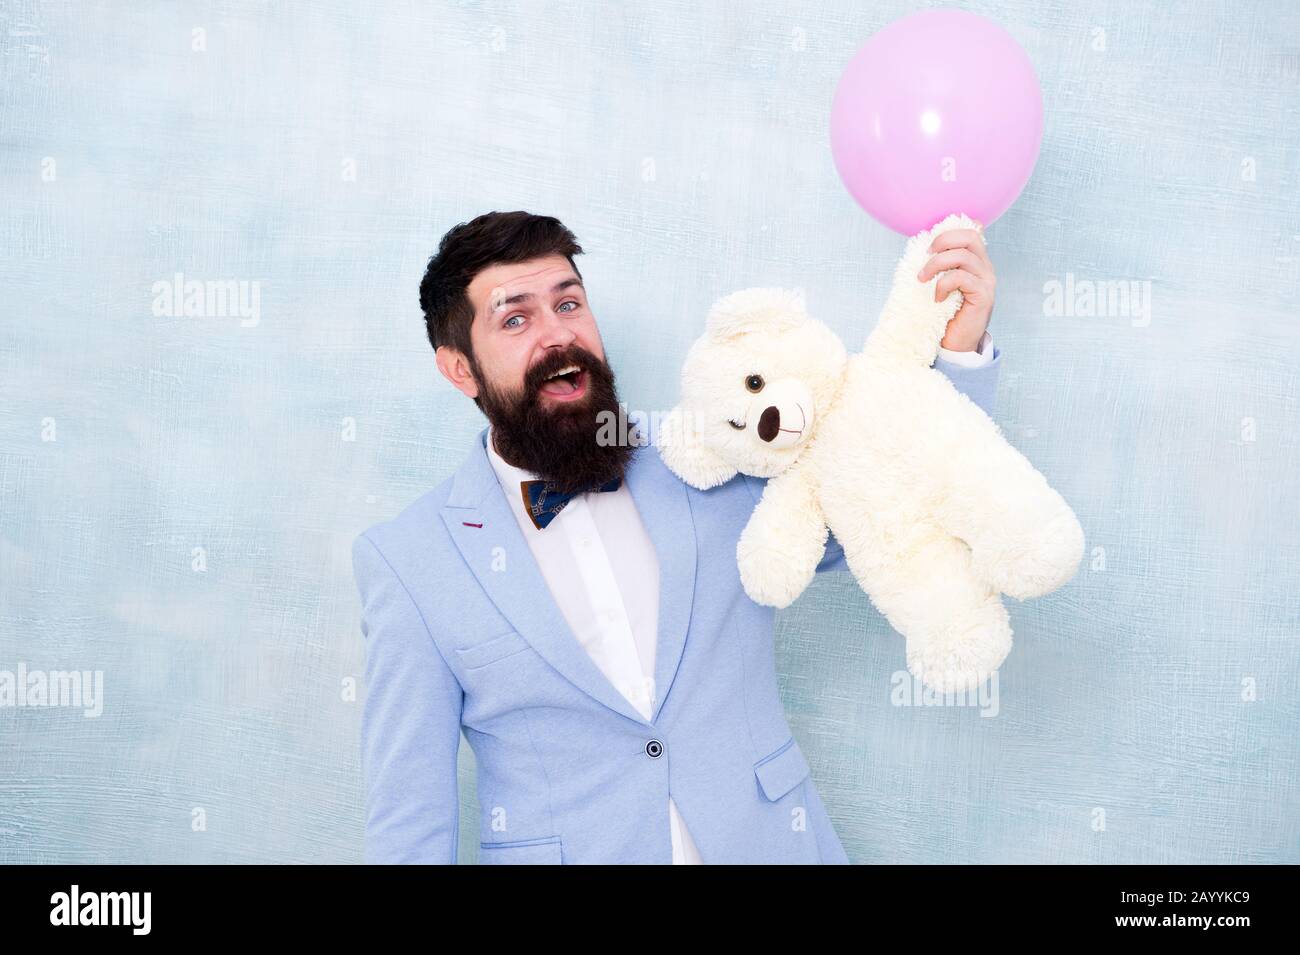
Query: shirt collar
x=509, y=475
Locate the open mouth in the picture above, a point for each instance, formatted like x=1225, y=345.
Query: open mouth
x=567, y=384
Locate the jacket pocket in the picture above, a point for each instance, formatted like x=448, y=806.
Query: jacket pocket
x=491, y=650
x=528, y=852
x=781, y=771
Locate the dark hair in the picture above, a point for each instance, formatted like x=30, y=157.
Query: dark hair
x=493, y=238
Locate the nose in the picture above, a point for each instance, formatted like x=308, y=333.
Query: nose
x=769, y=423
x=556, y=332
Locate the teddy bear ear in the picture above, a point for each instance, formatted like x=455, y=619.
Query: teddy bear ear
x=756, y=310
x=684, y=451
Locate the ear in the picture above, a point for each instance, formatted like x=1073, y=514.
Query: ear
x=455, y=368
x=683, y=449
x=755, y=310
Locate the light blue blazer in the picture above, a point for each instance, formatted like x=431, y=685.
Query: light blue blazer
x=462, y=634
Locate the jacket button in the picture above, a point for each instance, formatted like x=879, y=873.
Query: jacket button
x=654, y=749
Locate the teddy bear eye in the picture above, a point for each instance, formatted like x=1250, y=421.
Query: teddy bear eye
x=754, y=383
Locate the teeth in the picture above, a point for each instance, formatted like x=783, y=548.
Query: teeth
x=562, y=371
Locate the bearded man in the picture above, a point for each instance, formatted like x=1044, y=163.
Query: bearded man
x=573, y=608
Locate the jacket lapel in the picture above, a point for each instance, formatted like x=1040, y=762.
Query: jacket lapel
x=480, y=521
x=665, y=508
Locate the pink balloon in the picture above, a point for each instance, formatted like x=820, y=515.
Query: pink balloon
x=939, y=112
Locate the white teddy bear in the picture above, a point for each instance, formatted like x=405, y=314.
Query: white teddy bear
x=937, y=514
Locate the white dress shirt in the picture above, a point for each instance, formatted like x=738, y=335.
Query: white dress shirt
x=602, y=570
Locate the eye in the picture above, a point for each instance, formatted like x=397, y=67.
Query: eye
x=570, y=302
x=754, y=383
x=738, y=427
x=514, y=321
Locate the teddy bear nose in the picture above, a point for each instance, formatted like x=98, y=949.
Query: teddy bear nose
x=769, y=423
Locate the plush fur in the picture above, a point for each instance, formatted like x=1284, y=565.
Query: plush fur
x=937, y=514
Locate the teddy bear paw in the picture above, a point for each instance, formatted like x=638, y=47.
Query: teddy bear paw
x=1045, y=559
x=963, y=662
x=770, y=577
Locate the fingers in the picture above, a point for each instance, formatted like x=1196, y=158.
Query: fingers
x=971, y=239
x=957, y=279
x=959, y=258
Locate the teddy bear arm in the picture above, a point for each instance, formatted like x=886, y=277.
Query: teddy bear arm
x=785, y=540
x=912, y=323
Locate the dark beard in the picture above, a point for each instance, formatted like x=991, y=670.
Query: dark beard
x=559, y=443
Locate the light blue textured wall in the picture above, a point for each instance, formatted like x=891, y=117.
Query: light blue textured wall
x=686, y=145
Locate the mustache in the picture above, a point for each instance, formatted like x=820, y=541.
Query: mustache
x=553, y=362
x=560, y=444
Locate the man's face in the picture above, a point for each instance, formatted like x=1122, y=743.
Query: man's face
x=527, y=315
x=539, y=372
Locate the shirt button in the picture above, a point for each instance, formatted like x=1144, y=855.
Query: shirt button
x=654, y=749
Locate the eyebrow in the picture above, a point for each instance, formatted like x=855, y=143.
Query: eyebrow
x=528, y=296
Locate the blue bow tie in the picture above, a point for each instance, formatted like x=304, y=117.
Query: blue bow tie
x=543, y=502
